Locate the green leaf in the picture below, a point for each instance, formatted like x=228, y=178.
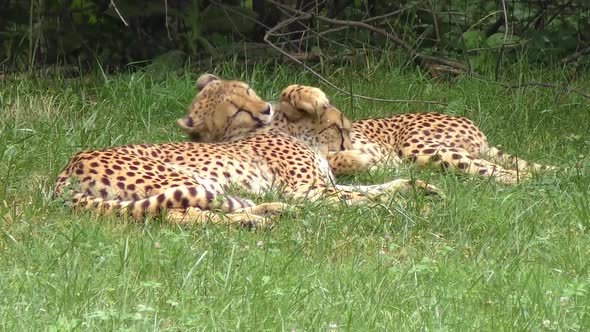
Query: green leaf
x=473, y=39
x=497, y=40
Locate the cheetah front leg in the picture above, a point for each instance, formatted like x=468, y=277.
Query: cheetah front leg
x=255, y=216
x=352, y=194
x=508, y=161
x=402, y=186
x=365, y=158
x=352, y=161
x=349, y=162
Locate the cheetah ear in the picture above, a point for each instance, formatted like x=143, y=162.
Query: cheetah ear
x=205, y=80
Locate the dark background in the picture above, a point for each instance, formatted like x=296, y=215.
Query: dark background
x=443, y=37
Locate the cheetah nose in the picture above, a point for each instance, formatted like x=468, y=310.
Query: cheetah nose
x=267, y=110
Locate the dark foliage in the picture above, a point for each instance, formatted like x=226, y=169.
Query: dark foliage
x=86, y=33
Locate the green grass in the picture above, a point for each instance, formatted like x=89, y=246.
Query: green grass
x=488, y=257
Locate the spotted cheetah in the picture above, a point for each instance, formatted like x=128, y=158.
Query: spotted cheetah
x=451, y=142
x=188, y=181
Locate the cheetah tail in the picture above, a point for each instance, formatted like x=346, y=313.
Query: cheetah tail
x=173, y=198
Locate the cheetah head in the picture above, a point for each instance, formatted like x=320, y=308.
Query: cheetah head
x=224, y=110
x=323, y=127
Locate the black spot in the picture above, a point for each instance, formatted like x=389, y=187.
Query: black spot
x=185, y=203
x=462, y=166
x=160, y=198
x=209, y=196
x=145, y=204
x=177, y=195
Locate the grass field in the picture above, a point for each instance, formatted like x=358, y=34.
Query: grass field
x=487, y=257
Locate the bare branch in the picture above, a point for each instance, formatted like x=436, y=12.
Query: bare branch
x=424, y=59
x=505, y=21
x=301, y=15
x=436, y=24
x=118, y=13
x=546, y=85
x=166, y=18
x=576, y=55
x=326, y=81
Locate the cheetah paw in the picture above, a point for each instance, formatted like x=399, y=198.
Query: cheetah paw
x=408, y=186
x=305, y=98
x=512, y=177
x=428, y=189
x=265, y=209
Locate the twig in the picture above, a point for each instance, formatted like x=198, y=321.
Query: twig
x=505, y=21
x=326, y=81
x=118, y=13
x=166, y=18
x=576, y=55
x=372, y=19
x=304, y=15
x=501, y=52
x=436, y=25
x=424, y=59
x=255, y=21
x=559, y=10
x=229, y=8
x=542, y=13
x=552, y=86
x=567, y=88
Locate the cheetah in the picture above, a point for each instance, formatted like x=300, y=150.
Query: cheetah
x=190, y=182
x=446, y=141
x=451, y=142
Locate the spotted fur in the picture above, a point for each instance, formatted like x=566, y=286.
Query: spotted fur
x=451, y=142
x=186, y=181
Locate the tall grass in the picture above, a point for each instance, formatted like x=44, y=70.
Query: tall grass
x=487, y=257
